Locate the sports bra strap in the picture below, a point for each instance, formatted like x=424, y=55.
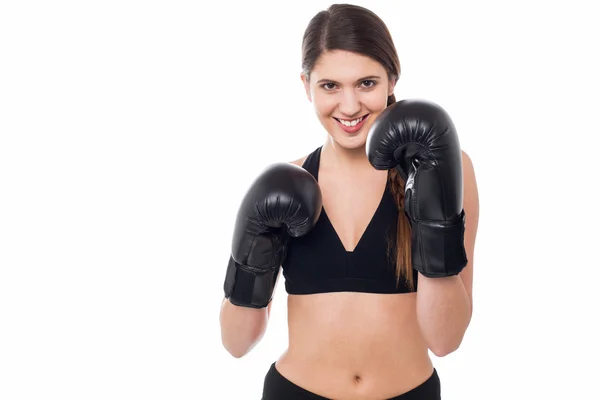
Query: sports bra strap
x=311, y=164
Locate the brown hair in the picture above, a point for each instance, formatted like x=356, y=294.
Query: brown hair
x=356, y=29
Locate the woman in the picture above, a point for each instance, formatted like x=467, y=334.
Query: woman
x=372, y=286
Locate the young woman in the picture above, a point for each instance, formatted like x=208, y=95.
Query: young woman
x=374, y=231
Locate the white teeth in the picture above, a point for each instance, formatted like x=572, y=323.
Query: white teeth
x=351, y=123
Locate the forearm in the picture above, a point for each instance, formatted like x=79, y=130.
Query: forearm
x=443, y=312
x=242, y=327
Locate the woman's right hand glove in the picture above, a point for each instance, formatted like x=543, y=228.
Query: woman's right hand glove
x=283, y=201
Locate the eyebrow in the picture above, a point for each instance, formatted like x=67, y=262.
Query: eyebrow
x=358, y=80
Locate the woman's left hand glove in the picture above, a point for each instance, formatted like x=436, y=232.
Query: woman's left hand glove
x=419, y=139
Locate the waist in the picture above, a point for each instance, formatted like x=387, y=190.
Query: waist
x=345, y=344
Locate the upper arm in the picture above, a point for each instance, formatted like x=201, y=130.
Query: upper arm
x=471, y=207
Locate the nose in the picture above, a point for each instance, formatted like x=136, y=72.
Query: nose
x=349, y=104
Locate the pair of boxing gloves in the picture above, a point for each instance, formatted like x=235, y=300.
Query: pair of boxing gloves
x=416, y=137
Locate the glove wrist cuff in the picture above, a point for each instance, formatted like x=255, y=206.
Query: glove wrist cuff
x=438, y=247
x=249, y=287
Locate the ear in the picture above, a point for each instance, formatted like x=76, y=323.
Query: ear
x=306, y=86
x=391, y=86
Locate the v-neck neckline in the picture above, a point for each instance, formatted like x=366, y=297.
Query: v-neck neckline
x=330, y=223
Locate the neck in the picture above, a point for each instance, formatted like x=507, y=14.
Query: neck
x=346, y=159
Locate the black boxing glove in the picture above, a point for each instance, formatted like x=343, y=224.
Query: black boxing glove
x=419, y=139
x=283, y=201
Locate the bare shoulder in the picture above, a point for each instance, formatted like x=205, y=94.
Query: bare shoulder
x=471, y=192
x=467, y=163
x=299, y=161
x=469, y=179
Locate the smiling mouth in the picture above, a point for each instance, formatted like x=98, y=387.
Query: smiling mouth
x=351, y=123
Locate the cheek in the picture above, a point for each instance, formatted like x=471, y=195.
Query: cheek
x=325, y=104
x=375, y=101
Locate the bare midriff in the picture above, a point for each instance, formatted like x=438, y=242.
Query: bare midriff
x=355, y=345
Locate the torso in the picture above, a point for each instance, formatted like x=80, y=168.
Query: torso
x=354, y=345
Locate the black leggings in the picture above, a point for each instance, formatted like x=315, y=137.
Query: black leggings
x=277, y=387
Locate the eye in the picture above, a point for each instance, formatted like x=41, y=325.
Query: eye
x=368, y=83
x=328, y=86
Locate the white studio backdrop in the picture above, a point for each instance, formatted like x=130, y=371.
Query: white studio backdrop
x=130, y=130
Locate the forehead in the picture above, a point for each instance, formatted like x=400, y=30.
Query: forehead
x=344, y=66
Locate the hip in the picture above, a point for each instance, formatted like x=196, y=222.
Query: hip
x=279, y=385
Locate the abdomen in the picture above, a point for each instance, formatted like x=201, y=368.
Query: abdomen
x=355, y=345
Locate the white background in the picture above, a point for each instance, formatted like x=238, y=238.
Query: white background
x=130, y=130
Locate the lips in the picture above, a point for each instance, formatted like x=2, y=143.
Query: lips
x=351, y=126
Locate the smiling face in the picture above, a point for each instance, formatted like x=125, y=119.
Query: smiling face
x=348, y=91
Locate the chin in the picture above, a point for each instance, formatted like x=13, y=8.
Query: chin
x=349, y=141
x=355, y=142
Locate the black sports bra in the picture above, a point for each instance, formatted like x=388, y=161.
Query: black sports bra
x=318, y=261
